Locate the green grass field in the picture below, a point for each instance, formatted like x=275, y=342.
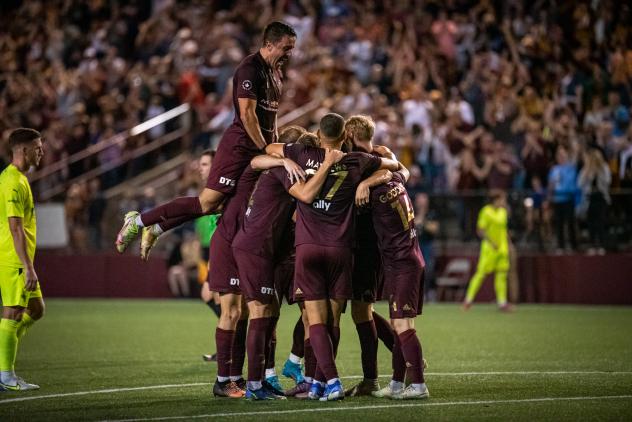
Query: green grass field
x=141, y=360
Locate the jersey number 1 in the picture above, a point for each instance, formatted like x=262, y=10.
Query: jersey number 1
x=406, y=215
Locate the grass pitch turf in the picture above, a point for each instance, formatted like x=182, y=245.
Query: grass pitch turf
x=142, y=360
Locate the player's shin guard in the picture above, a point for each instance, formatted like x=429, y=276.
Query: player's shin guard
x=256, y=342
x=368, y=345
x=224, y=340
x=186, y=206
x=239, y=349
x=324, y=350
x=411, y=350
x=384, y=331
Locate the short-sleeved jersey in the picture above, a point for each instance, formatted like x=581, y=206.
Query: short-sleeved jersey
x=329, y=219
x=16, y=200
x=494, y=221
x=268, y=213
x=256, y=80
x=235, y=206
x=394, y=222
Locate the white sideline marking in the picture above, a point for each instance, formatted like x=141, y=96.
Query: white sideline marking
x=379, y=406
x=199, y=384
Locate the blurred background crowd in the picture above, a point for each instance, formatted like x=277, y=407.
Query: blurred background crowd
x=533, y=97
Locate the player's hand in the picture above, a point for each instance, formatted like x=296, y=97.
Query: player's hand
x=31, y=279
x=384, y=151
x=362, y=194
x=294, y=170
x=332, y=156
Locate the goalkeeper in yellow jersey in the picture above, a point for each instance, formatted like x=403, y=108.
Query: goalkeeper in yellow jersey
x=494, y=257
x=22, y=302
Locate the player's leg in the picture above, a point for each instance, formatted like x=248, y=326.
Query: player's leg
x=238, y=356
x=34, y=312
x=224, y=340
x=301, y=389
x=362, y=314
x=410, y=348
x=292, y=367
x=209, y=298
x=500, y=282
x=321, y=342
x=384, y=331
x=482, y=269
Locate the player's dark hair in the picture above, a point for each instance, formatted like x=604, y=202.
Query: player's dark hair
x=23, y=136
x=276, y=30
x=495, y=194
x=209, y=152
x=309, y=139
x=290, y=134
x=332, y=125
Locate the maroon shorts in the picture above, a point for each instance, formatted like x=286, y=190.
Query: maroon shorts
x=367, y=274
x=405, y=292
x=322, y=272
x=233, y=155
x=284, y=280
x=256, y=276
x=223, y=276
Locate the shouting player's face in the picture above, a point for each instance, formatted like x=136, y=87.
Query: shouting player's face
x=205, y=166
x=281, y=51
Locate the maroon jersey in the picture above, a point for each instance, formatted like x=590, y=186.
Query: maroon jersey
x=329, y=220
x=235, y=206
x=394, y=222
x=269, y=210
x=256, y=80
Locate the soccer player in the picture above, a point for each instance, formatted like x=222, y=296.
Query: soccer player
x=256, y=248
x=19, y=284
x=394, y=222
x=324, y=237
x=494, y=257
x=257, y=86
x=367, y=271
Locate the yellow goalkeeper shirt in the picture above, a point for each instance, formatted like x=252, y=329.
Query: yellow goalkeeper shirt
x=16, y=200
x=494, y=222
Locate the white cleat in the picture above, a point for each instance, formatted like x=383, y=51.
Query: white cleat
x=18, y=384
x=410, y=393
x=386, y=392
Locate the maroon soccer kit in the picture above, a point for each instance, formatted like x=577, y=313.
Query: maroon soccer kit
x=325, y=228
x=257, y=242
x=393, y=219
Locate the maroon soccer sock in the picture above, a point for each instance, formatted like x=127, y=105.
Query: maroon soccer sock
x=239, y=349
x=298, y=339
x=334, y=333
x=384, y=331
x=310, y=360
x=324, y=351
x=411, y=350
x=257, y=347
x=224, y=343
x=368, y=345
x=271, y=342
x=185, y=206
x=399, y=363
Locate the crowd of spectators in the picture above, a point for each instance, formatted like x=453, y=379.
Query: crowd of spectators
x=471, y=95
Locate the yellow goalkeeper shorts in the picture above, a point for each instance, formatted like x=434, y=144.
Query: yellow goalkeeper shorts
x=12, y=287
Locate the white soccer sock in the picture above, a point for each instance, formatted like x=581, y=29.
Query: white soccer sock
x=235, y=377
x=309, y=380
x=333, y=381
x=254, y=385
x=294, y=359
x=270, y=372
x=7, y=377
x=139, y=221
x=222, y=379
x=157, y=230
x=419, y=387
x=396, y=385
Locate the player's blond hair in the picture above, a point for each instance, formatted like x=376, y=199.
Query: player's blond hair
x=362, y=127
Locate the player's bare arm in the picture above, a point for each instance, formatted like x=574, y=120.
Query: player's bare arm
x=19, y=242
x=275, y=149
x=247, y=112
x=307, y=192
x=265, y=162
x=363, y=192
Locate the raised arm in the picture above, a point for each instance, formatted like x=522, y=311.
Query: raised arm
x=247, y=107
x=19, y=242
x=307, y=192
x=265, y=162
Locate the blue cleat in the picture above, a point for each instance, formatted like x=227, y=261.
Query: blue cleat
x=272, y=383
x=316, y=391
x=260, y=394
x=333, y=392
x=294, y=371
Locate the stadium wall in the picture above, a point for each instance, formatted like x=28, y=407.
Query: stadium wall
x=572, y=279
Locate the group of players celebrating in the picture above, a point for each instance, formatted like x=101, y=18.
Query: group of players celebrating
x=316, y=218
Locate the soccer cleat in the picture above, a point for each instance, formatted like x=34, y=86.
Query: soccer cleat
x=316, y=391
x=386, y=392
x=333, y=392
x=301, y=389
x=506, y=307
x=294, y=371
x=147, y=241
x=466, y=306
x=364, y=388
x=128, y=232
x=411, y=392
x=273, y=385
x=261, y=394
x=210, y=358
x=227, y=389
x=18, y=384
